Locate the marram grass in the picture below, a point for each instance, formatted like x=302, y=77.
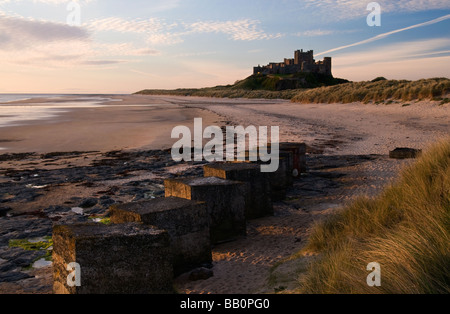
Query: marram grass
x=376, y=91
x=406, y=230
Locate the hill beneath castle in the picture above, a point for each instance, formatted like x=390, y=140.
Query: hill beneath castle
x=280, y=82
x=257, y=82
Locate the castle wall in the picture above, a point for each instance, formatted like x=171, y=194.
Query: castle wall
x=303, y=62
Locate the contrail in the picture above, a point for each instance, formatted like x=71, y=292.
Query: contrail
x=384, y=35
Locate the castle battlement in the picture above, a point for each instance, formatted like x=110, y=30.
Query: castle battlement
x=303, y=62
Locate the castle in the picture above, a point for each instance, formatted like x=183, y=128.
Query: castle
x=303, y=62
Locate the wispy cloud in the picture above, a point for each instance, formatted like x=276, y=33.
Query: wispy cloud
x=159, y=31
x=121, y=25
x=322, y=32
x=244, y=29
x=50, y=44
x=314, y=32
x=395, y=52
x=155, y=31
x=384, y=35
x=53, y=2
x=101, y=62
x=351, y=9
x=194, y=54
x=413, y=59
x=21, y=33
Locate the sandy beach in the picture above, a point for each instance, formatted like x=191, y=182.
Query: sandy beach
x=129, y=122
x=118, y=152
x=145, y=122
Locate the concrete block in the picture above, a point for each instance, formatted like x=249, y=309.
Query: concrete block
x=405, y=153
x=114, y=259
x=225, y=201
x=258, y=201
x=298, y=151
x=299, y=155
x=186, y=221
x=281, y=179
x=287, y=165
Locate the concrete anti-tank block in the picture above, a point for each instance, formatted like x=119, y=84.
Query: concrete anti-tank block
x=113, y=259
x=299, y=155
x=225, y=201
x=258, y=201
x=186, y=221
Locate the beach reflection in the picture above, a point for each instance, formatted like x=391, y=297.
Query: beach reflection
x=22, y=113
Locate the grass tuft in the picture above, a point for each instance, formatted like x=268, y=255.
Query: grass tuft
x=406, y=230
x=376, y=90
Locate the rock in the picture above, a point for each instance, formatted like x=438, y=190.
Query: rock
x=13, y=276
x=6, y=266
x=21, y=258
x=78, y=210
x=23, y=227
x=106, y=201
x=404, y=152
x=4, y=211
x=56, y=210
x=201, y=274
x=42, y=263
x=88, y=203
x=71, y=219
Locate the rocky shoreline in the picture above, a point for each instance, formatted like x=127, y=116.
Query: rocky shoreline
x=38, y=191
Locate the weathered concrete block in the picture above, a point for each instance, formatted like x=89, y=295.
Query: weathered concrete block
x=404, y=153
x=114, y=259
x=186, y=221
x=257, y=202
x=287, y=165
x=281, y=179
x=225, y=201
x=299, y=158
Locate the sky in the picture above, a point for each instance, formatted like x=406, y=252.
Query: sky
x=118, y=46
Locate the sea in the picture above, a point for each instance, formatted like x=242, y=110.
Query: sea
x=5, y=98
x=15, y=114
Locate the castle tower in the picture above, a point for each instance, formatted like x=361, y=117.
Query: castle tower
x=327, y=64
x=302, y=62
x=300, y=57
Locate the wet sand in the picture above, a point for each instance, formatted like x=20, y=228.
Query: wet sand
x=135, y=122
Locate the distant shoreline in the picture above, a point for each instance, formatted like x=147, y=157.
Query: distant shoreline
x=379, y=90
x=142, y=122
x=113, y=123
